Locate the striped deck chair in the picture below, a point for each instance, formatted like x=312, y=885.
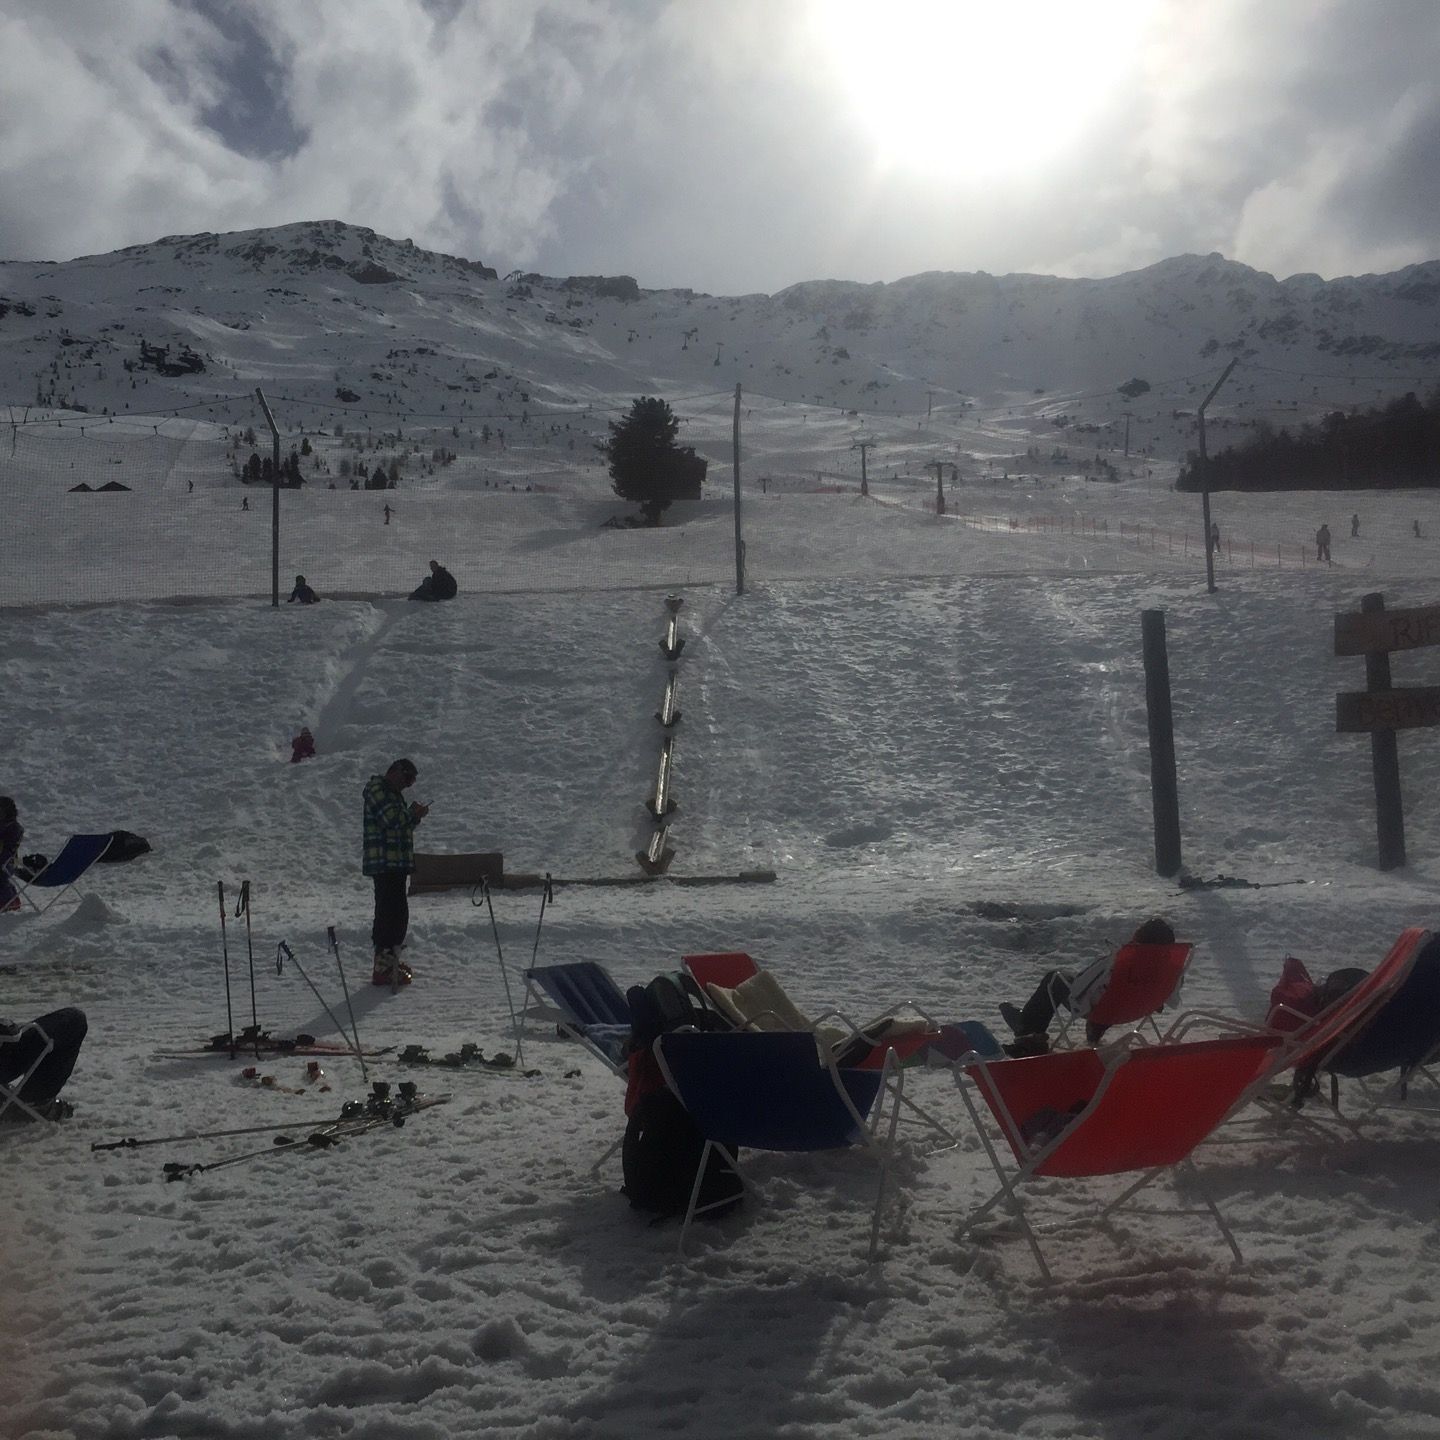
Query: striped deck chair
x=584, y=1001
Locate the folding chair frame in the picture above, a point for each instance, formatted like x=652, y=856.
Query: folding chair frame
x=38, y=879
x=538, y=1004
x=10, y=1089
x=1010, y=1183
x=891, y=1085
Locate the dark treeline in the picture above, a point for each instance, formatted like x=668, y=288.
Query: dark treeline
x=1394, y=446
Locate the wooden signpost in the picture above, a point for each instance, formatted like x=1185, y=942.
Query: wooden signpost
x=1382, y=707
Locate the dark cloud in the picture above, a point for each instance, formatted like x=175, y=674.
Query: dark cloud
x=250, y=112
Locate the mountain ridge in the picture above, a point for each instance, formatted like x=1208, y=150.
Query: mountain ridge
x=330, y=312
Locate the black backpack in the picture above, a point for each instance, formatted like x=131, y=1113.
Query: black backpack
x=662, y=1147
x=661, y=1155
x=1404, y=1032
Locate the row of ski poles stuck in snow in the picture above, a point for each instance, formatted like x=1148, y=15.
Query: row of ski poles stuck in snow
x=251, y=1036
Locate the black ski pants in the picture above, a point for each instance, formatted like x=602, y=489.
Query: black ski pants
x=392, y=911
x=67, y=1029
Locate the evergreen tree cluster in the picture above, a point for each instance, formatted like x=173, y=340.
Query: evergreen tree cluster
x=1395, y=446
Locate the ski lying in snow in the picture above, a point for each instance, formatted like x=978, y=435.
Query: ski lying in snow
x=379, y=1110
x=267, y=1044
x=467, y=1057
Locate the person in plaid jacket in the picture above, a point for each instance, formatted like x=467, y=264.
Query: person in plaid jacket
x=389, y=858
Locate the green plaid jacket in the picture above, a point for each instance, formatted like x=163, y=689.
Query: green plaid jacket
x=389, y=831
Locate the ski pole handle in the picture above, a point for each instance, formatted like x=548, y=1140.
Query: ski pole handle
x=330, y=935
x=282, y=953
x=242, y=905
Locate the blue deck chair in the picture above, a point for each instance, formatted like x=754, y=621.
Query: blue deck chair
x=76, y=856
x=585, y=1002
x=780, y=1091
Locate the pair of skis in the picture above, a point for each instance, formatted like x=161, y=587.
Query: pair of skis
x=357, y=1117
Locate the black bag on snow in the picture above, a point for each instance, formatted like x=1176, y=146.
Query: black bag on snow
x=661, y=1154
x=662, y=1147
x=124, y=845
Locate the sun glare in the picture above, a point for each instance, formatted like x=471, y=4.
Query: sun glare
x=957, y=88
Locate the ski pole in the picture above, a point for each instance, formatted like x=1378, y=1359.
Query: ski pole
x=546, y=895
x=283, y=953
x=504, y=972
x=131, y=1143
x=354, y=1030
x=225, y=953
x=242, y=906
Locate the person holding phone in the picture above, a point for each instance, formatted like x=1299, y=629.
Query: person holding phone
x=389, y=859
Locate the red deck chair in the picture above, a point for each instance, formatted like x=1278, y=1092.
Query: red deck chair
x=1132, y=1107
x=1143, y=980
x=725, y=968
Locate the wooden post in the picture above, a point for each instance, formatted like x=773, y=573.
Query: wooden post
x=1164, y=791
x=1384, y=757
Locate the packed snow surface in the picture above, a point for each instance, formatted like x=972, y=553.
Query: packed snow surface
x=934, y=734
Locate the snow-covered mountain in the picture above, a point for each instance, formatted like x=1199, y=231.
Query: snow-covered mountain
x=334, y=314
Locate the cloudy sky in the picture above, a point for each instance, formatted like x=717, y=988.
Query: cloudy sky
x=736, y=145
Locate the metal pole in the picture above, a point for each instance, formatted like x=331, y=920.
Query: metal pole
x=1164, y=791
x=225, y=955
x=274, y=500
x=345, y=989
x=1204, y=479
x=739, y=539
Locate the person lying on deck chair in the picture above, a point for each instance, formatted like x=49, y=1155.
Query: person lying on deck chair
x=66, y=1029
x=1077, y=992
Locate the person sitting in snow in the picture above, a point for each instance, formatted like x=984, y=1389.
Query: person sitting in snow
x=65, y=1030
x=302, y=592
x=11, y=834
x=1077, y=992
x=439, y=584
x=302, y=747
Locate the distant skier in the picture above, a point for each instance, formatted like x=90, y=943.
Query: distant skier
x=302, y=747
x=1354, y=527
x=244, y=502
x=302, y=592
x=1322, y=545
x=387, y=514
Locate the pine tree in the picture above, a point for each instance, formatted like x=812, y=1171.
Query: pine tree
x=646, y=465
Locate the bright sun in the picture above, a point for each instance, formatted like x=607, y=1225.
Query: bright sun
x=958, y=87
